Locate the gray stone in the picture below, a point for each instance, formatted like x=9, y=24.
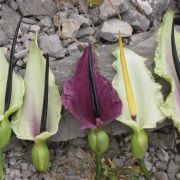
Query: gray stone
x=110, y=29
x=73, y=48
x=9, y=21
x=80, y=19
x=31, y=7
x=136, y=20
x=70, y=28
x=15, y=173
x=24, y=28
x=52, y=45
x=31, y=36
x=161, y=176
x=159, y=7
x=29, y=21
x=12, y=161
x=172, y=170
x=13, y=4
x=161, y=140
x=85, y=32
x=119, y=162
x=21, y=54
x=143, y=6
x=24, y=166
x=27, y=174
x=161, y=166
x=34, y=28
x=3, y=38
x=107, y=10
x=46, y=21
x=94, y=14
x=162, y=155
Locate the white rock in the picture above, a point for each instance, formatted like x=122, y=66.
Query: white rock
x=70, y=28
x=107, y=10
x=34, y=28
x=144, y=5
x=110, y=29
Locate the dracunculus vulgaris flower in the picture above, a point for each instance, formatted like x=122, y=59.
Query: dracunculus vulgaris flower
x=37, y=120
x=168, y=66
x=141, y=98
x=92, y=100
x=11, y=95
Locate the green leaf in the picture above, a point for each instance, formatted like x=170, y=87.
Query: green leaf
x=17, y=89
x=26, y=123
x=147, y=93
x=165, y=68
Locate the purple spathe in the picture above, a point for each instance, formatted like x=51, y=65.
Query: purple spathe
x=77, y=95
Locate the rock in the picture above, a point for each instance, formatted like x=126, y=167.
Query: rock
x=172, y=170
x=27, y=174
x=29, y=21
x=159, y=7
x=119, y=162
x=52, y=45
x=13, y=4
x=85, y=32
x=24, y=166
x=15, y=173
x=162, y=155
x=31, y=36
x=9, y=21
x=24, y=28
x=31, y=7
x=161, y=166
x=3, y=38
x=108, y=10
x=110, y=29
x=161, y=176
x=46, y=21
x=94, y=14
x=12, y=161
x=136, y=20
x=21, y=54
x=73, y=48
x=144, y=6
x=80, y=19
x=34, y=28
x=161, y=140
x=70, y=28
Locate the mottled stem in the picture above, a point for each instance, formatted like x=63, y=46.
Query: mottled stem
x=144, y=169
x=1, y=165
x=98, y=167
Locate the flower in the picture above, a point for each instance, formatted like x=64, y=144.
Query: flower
x=167, y=63
x=89, y=96
x=38, y=118
x=147, y=94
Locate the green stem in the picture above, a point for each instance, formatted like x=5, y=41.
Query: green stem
x=144, y=169
x=98, y=167
x=1, y=165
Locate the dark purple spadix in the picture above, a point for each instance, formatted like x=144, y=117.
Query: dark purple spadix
x=89, y=96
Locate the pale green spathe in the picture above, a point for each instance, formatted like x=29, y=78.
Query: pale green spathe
x=165, y=68
x=147, y=93
x=26, y=123
x=17, y=89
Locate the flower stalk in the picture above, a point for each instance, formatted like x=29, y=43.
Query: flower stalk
x=1, y=165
